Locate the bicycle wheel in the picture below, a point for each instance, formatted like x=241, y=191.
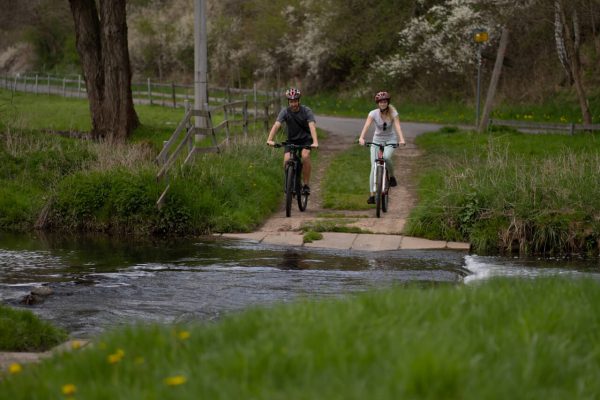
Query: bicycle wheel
x=379, y=187
x=385, y=194
x=300, y=195
x=289, y=188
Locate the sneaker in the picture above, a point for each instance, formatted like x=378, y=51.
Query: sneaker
x=393, y=182
x=305, y=189
x=371, y=200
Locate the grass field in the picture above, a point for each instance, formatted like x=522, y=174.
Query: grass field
x=518, y=339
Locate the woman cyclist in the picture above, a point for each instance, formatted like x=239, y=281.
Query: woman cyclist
x=387, y=130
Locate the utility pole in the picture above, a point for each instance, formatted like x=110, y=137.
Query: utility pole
x=200, y=61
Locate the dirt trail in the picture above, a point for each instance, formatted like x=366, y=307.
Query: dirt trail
x=402, y=197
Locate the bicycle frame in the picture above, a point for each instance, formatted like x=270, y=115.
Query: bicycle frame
x=381, y=184
x=293, y=171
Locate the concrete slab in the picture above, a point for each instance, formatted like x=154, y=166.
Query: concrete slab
x=413, y=243
x=254, y=236
x=284, y=238
x=380, y=225
x=334, y=240
x=458, y=246
x=377, y=242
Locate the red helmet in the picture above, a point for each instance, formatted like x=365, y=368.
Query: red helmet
x=382, y=96
x=293, y=93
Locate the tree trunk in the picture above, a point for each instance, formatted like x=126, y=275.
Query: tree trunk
x=101, y=40
x=489, y=100
x=572, y=42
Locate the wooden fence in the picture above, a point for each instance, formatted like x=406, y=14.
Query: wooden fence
x=169, y=94
x=187, y=139
x=543, y=127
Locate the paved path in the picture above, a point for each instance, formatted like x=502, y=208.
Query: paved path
x=386, y=232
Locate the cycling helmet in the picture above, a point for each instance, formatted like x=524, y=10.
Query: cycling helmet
x=382, y=96
x=293, y=93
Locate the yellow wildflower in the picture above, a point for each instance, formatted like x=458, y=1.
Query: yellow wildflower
x=69, y=389
x=116, y=356
x=76, y=344
x=175, y=380
x=15, y=368
x=183, y=335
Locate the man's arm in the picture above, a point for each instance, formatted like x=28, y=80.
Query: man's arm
x=274, y=130
x=313, y=133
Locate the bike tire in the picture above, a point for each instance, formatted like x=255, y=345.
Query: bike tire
x=379, y=187
x=289, y=189
x=300, y=195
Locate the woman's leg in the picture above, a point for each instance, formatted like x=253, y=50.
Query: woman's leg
x=387, y=155
x=374, y=150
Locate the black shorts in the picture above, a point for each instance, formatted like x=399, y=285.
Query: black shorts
x=301, y=142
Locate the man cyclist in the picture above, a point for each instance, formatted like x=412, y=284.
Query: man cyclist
x=301, y=131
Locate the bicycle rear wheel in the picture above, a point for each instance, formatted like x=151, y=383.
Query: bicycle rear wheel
x=379, y=187
x=289, y=188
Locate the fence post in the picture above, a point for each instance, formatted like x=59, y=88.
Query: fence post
x=79, y=85
x=255, y=106
x=173, y=94
x=36, y=83
x=15, y=84
x=64, y=87
x=48, y=84
x=150, y=91
x=187, y=106
x=245, y=117
x=572, y=128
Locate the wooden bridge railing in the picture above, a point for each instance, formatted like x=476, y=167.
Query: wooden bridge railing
x=541, y=127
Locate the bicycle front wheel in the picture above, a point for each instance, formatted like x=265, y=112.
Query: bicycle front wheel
x=300, y=195
x=289, y=189
x=379, y=188
x=385, y=194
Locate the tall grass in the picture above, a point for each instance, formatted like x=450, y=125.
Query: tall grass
x=507, y=191
x=64, y=183
x=517, y=339
x=21, y=330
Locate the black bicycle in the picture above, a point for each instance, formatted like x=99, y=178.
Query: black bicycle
x=381, y=180
x=293, y=178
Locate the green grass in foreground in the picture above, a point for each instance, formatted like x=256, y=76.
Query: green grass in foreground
x=503, y=339
x=22, y=331
x=509, y=191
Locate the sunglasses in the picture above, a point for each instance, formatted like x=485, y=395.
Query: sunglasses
x=384, y=126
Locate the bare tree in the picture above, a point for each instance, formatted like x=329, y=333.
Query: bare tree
x=101, y=39
x=568, y=41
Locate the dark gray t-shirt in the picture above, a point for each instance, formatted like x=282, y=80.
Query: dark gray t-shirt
x=297, y=123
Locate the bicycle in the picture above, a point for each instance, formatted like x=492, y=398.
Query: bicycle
x=381, y=180
x=293, y=178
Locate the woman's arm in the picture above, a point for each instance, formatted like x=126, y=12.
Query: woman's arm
x=361, y=139
x=399, y=131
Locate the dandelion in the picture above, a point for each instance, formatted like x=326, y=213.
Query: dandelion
x=76, y=344
x=15, y=368
x=116, y=356
x=69, y=389
x=183, y=335
x=175, y=380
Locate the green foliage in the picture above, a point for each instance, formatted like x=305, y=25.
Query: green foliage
x=21, y=330
x=533, y=193
x=538, y=337
x=346, y=181
x=311, y=236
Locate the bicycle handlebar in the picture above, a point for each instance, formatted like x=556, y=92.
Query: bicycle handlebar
x=292, y=146
x=394, y=145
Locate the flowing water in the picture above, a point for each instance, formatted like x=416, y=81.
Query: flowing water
x=101, y=282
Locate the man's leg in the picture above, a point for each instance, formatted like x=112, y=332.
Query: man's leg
x=306, y=167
